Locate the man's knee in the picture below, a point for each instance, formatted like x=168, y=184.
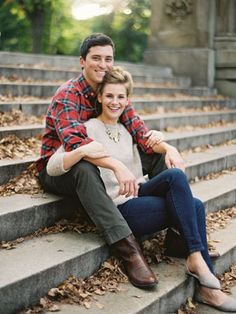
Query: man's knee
x=85, y=168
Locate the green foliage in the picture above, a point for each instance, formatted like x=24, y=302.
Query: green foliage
x=47, y=26
x=130, y=31
x=14, y=27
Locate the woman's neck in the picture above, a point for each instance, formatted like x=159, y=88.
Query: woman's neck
x=106, y=120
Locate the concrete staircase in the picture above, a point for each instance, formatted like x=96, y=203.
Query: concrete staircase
x=36, y=265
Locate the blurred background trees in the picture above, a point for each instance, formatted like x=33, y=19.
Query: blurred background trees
x=51, y=27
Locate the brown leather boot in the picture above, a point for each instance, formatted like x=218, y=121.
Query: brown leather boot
x=138, y=271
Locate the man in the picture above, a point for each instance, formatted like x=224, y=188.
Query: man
x=72, y=105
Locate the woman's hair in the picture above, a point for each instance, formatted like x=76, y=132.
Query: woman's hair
x=117, y=76
x=95, y=39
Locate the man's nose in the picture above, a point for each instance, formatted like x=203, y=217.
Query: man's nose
x=102, y=63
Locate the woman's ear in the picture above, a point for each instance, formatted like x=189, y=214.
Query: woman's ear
x=99, y=98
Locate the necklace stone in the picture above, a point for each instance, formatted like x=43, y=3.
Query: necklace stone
x=113, y=134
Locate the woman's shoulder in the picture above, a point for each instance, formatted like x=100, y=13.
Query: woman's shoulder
x=93, y=122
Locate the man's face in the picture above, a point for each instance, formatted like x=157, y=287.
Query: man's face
x=98, y=61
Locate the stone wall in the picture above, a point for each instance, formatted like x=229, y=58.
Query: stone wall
x=195, y=38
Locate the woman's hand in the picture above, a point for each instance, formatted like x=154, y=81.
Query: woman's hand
x=173, y=159
x=154, y=137
x=127, y=181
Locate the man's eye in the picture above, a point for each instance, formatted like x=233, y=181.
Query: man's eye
x=109, y=59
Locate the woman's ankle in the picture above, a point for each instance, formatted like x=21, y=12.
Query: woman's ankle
x=195, y=263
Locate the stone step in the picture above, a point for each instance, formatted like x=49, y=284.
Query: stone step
x=213, y=160
x=72, y=62
x=223, y=192
x=53, y=258
x=173, y=289
x=182, y=140
x=23, y=214
x=154, y=121
x=10, y=168
x=53, y=74
x=22, y=131
x=48, y=89
x=164, y=120
x=39, y=107
x=151, y=105
x=44, y=262
x=36, y=108
x=209, y=136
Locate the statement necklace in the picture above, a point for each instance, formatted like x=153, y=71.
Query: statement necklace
x=113, y=134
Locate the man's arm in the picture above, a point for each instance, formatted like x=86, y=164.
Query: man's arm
x=137, y=129
x=65, y=118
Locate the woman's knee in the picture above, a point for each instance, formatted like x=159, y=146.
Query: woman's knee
x=200, y=208
x=176, y=174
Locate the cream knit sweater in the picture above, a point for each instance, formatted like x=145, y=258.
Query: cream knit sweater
x=124, y=150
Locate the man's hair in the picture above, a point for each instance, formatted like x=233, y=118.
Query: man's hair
x=117, y=76
x=95, y=39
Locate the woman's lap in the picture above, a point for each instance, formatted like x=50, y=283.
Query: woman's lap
x=145, y=215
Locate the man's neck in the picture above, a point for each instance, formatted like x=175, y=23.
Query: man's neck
x=92, y=84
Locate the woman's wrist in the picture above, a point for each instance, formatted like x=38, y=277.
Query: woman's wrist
x=163, y=148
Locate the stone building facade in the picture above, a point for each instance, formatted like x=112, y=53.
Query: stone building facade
x=196, y=38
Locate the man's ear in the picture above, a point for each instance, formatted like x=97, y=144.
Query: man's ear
x=81, y=61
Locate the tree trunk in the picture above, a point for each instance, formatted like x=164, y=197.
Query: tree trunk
x=37, y=23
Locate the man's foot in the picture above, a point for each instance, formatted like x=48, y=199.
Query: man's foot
x=137, y=269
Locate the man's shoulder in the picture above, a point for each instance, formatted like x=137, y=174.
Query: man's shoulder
x=71, y=85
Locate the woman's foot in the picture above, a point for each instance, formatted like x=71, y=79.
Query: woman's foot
x=196, y=264
x=197, y=267
x=216, y=298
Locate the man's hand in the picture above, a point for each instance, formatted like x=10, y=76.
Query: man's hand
x=154, y=137
x=173, y=158
x=127, y=181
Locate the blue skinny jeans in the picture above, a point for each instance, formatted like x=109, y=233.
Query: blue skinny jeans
x=166, y=201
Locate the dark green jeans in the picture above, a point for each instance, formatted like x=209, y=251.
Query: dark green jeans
x=84, y=183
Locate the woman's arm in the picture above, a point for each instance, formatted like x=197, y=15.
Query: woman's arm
x=127, y=181
x=61, y=162
x=173, y=159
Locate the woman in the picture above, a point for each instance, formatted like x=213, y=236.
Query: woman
x=163, y=201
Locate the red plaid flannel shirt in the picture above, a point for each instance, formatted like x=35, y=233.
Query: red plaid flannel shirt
x=73, y=104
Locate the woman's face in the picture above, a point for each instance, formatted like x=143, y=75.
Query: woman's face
x=113, y=99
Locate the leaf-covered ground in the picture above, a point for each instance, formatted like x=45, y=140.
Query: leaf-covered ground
x=110, y=275
x=17, y=117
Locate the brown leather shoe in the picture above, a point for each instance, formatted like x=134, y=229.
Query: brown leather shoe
x=138, y=271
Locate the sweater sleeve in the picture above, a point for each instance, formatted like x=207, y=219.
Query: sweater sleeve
x=55, y=163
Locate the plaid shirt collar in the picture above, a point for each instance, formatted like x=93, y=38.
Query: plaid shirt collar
x=86, y=89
